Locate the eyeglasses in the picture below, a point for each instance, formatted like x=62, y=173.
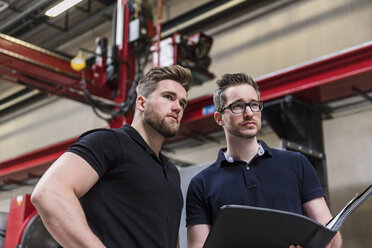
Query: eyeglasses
x=240, y=107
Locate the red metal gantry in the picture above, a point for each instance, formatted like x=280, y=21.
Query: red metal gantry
x=326, y=79
x=41, y=69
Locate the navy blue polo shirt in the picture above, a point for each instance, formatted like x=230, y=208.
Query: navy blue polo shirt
x=274, y=178
x=137, y=201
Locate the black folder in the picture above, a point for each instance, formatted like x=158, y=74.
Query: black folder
x=252, y=227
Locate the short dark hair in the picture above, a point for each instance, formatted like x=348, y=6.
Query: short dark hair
x=229, y=80
x=150, y=82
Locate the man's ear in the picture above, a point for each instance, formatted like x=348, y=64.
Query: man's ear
x=140, y=103
x=218, y=118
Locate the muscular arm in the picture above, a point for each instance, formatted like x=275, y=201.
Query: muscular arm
x=56, y=200
x=318, y=210
x=197, y=234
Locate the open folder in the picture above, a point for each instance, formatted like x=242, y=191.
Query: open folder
x=252, y=227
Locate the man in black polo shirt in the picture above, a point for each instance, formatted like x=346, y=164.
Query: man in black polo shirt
x=249, y=172
x=113, y=187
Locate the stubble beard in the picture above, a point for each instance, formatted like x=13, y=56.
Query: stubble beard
x=159, y=123
x=241, y=134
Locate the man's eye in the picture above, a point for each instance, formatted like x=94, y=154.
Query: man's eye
x=183, y=105
x=168, y=97
x=238, y=105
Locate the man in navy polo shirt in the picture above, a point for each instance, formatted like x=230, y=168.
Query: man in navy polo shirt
x=113, y=187
x=248, y=172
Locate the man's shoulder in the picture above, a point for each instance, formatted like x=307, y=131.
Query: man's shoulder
x=278, y=152
x=205, y=173
x=103, y=132
x=288, y=158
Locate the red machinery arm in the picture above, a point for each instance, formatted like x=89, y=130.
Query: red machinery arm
x=37, y=68
x=326, y=79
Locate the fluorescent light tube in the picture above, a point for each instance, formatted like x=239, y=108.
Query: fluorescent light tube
x=61, y=7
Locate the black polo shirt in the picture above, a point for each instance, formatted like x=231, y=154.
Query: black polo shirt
x=137, y=201
x=274, y=178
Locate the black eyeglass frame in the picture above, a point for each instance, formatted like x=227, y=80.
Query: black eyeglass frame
x=260, y=104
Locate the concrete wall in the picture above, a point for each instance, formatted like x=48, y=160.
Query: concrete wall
x=258, y=45
x=348, y=142
x=55, y=121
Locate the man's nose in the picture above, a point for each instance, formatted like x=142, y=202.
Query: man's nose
x=176, y=106
x=248, y=112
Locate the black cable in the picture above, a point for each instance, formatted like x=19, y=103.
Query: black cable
x=113, y=27
x=122, y=108
x=132, y=93
x=96, y=105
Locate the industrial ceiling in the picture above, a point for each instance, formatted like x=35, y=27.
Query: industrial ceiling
x=64, y=34
x=26, y=20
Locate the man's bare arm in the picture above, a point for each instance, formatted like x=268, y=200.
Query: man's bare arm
x=318, y=210
x=56, y=198
x=197, y=235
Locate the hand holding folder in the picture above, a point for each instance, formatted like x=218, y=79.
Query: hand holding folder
x=252, y=227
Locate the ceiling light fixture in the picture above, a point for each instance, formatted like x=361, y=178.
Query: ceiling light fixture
x=61, y=7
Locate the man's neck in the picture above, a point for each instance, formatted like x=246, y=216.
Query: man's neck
x=153, y=139
x=242, y=148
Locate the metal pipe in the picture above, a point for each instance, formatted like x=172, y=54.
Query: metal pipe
x=75, y=31
x=158, y=31
x=23, y=14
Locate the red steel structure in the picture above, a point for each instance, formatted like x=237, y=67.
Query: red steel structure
x=326, y=79
x=21, y=212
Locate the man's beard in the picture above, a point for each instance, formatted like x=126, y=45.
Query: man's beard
x=236, y=132
x=242, y=135
x=159, y=124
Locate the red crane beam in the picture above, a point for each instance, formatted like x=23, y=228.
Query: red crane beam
x=41, y=69
x=34, y=164
x=325, y=79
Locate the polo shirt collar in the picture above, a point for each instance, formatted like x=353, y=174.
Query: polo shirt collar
x=224, y=159
x=134, y=134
